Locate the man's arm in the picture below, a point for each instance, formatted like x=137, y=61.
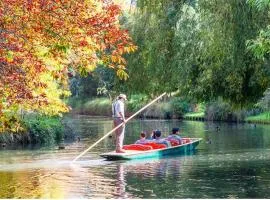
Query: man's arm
x=122, y=116
x=121, y=113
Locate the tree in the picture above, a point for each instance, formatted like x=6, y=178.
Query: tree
x=225, y=68
x=43, y=40
x=199, y=49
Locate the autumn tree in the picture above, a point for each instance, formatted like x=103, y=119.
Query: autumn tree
x=44, y=41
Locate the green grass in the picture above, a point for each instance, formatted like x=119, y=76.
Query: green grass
x=263, y=117
x=99, y=106
x=195, y=114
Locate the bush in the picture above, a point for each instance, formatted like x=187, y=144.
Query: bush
x=75, y=102
x=44, y=130
x=136, y=102
x=179, y=106
x=217, y=111
x=222, y=111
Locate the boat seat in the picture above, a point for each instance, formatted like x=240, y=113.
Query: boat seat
x=138, y=147
x=186, y=140
x=173, y=142
x=156, y=145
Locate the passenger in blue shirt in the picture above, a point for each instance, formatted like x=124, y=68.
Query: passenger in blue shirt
x=174, y=135
x=160, y=140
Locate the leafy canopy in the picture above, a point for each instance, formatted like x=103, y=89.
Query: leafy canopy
x=42, y=41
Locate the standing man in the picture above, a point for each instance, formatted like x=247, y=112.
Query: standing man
x=118, y=111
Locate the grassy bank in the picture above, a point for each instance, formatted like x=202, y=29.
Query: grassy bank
x=174, y=108
x=99, y=106
x=195, y=116
x=39, y=130
x=261, y=118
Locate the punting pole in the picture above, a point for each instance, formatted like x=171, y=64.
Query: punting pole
x=85, y=151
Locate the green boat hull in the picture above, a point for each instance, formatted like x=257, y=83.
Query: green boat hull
x=183, y=149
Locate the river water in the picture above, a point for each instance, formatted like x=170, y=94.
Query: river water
x=232, y=161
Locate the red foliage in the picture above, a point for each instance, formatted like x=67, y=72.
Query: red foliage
x=57, y=25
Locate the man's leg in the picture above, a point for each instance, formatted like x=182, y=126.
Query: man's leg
x=121, y=137
x=119, y=133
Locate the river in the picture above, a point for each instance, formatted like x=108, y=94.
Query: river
x=232, y=161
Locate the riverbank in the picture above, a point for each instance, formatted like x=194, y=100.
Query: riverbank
x=175, y=108
x=39, y=131
x=170, y=109
x=194, y=116
x=263, y=118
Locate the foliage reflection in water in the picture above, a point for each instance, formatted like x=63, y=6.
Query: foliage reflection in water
x=235, y=164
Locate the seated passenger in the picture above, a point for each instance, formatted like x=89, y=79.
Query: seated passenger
x=142, y=139
x=153, y=135
x=160, y=140
x=174, y=135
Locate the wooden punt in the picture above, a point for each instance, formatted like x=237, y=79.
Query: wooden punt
x=182, y=149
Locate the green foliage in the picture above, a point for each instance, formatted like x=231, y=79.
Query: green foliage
x=223, y=111
x=264, y=103
x=179, y=106
x=200, y=107
x=44, y=130
x=198, y=49
x=98, y=83
x=159, y=110
x=174, y=107
x=261, y=45
x=195, y=114
x=218, y=111
x=260, y=4
x=224, y=67
x=136, y=102
x=98, y=106
x=76, y=102
x=263, y=117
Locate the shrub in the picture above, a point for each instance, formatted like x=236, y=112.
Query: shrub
x=179, y=106
x=136, y=102
x=222, y=111
x=44, y=130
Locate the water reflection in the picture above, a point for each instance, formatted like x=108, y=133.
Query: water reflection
x=234, y=165
x=139, y=178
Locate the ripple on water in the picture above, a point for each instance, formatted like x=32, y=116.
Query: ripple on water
x=234, y=165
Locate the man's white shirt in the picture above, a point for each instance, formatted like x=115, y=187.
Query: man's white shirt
x=118, y=107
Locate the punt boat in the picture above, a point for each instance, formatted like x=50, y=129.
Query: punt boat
x=182, y=149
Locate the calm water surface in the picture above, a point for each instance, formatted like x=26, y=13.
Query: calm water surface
x=235, y=164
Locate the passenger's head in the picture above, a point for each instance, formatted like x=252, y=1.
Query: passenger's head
x=175, y=130
x=143, y=135
x=157, y=133
x=153, y=136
